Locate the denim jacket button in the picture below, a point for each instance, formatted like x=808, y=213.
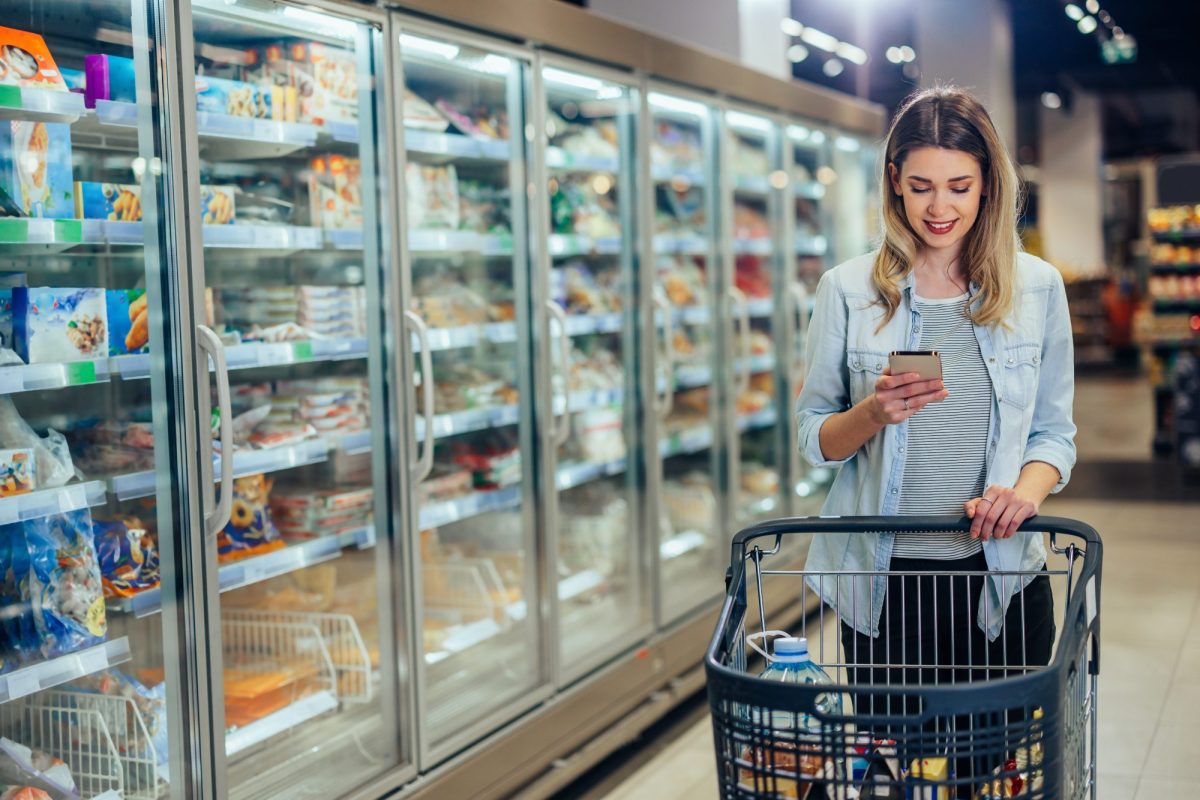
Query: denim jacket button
x=1036, y=359
x=1010, y=360
x=857, y=363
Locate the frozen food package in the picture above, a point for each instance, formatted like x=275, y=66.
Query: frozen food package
x=419, y=114
x=128, y=320
x=65, y=587
x=323, y=79
x=217, y=205
x=23, y=793
x=335, y=192
x=17, y=472
x=116, y=202
x=235, y=98
x=35, y=168
x=432, y=196
x=250, y=530
x=52, y=457
x=108, y=78
x=25, y=61
x=53, y=324
x=17, y=630
x=33, y=773
x=128, y=556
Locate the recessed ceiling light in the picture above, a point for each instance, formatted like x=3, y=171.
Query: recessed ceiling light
x=833, y=68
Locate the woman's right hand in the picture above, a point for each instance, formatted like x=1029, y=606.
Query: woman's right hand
x=898, y=397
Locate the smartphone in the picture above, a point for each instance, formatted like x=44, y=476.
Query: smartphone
x=926, y=363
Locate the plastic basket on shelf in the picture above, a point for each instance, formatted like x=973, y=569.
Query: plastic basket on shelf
x=342, y=639
x=957, y=722
x=465, y=590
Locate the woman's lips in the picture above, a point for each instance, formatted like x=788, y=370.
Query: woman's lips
x=940, y=229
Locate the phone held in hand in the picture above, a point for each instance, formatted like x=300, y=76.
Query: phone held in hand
x=926, y=363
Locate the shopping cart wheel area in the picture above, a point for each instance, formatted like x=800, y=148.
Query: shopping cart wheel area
x=911, y=684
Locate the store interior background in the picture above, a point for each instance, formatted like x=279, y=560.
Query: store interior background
x=1100, y=145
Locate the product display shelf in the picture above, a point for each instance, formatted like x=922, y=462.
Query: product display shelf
x=815, y=245
x=686, y=442
x=571, y=475
x=681, y=544
x=249, y=462
x=589, y=399
x=40, y=105
x=468, y=336
x=24, y=235
x=433, y=243
x=810, y=190
x=454, y=423
x=314, y=705
x=688, y=244
x=1184, y=305
x=679, y=176
x=759, y=419
x=37, y=377
x=755, y=364
x=693, y=315
x=692, y=376
x=588, y=324
x=1175, y=269
x=447, y=512
x=57, y=671
x=344, y=238
x=560, y=159
x=751, y=184
x=760, y=307
x=276, y=239
x=444, y=146
x=564, y=245
x=1183, y=235
x=44, y=502
x=256, y=569
x=752, y=247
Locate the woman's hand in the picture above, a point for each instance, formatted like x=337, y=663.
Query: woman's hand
x=999, y=513
x=898, y=397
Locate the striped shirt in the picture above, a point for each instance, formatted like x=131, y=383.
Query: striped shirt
x=946, y=462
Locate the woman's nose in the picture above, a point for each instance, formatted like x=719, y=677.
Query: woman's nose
x=938, y=202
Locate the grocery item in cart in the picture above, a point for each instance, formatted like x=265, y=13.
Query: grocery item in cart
x=64, y=585
x=250, y=530
x=25, y=61
x=926, y=779
x=35, y=168
x=128, y=556
x=432, y=198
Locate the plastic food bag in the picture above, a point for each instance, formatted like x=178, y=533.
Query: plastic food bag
x=250, y=530
x=128, y=556
x=20, y=643
x=64, y=582
x=52, y=456
x=33, y=774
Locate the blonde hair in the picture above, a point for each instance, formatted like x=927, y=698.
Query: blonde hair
x=953, y=119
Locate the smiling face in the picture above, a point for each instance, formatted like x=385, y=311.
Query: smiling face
x=941, y=190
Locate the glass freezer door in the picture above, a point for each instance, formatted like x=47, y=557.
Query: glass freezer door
x=84, y=409
x=590, y=137
x=465, y=215
x=752, y=162
x=286, y=121
x=808, y=148
x=691, y=544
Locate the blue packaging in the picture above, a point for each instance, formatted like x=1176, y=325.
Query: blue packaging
x=57, y=325
x=108, y=78
x=120, y=202
x=128, y=330
x=35, y=168
x=235, y=98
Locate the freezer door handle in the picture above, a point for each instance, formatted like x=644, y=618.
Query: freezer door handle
x=424, y=464
x=738, y=297
x=799, y=321
x=562, y=432
x=667, y=400
x=216, y=519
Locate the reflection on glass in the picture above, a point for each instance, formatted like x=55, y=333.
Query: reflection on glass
x=590, y=129
x=462, y=125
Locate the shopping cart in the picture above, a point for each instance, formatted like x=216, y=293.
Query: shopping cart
x=949, y=722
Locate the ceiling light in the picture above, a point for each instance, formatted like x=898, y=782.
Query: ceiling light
x=493, y=64
x=610, y=93
x=819, y=39
x=791, y=27
x=1105, y=17
x=778, y=179
x=1051, y=100
x=342, y=28
x=1074, y=11
x=429, y=47
x=817, y=137
x=908, y=54
x=1087, y=25
x=563, y=78
x=1118, y=32
x=798, y=133
x=893, y=55
x=852, y=53
x=797, y=53
x=668, y=103
x=737, y=119
x=833, y=68
x=847, y=144
x=1093, y=6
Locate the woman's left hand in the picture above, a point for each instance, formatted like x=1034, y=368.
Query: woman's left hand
x=999, y=513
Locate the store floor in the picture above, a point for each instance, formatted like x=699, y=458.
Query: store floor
x=1150, y=613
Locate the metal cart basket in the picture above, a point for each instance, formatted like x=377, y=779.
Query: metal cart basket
x=906, y=716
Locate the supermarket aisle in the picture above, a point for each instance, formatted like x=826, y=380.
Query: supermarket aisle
x=1150, y=607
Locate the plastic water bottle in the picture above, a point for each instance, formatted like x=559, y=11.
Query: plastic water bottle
x=814, y=742
x=791, y=663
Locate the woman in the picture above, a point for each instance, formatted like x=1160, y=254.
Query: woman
x=992, y=439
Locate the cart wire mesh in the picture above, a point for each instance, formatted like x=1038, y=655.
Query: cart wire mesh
x=923, y=704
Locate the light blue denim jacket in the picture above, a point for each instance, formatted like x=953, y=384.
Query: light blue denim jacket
x=1031, y=363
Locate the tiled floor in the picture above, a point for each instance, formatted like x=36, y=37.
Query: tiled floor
x=1150, y=612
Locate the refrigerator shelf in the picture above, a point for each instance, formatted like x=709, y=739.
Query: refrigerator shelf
x=474, y=419
x=760, y=307
x=752, y=247
x=760, y=419
x=40, y=105
x=558, y=158
x=693, y=315
x=588, y=324
x=572, y=475
x=276, y=238
x=680, y=244
x=564, y=245
x=755, y=364
x=660, y=173
x=303, y=710
x=256, y=569
x=691, y=377
x=44, y=502
x=686, y=442
x=431, y=143
x=589, y=399
x=435, y=515
x=344, y=238
x=751, y=184
x=57, y=671
x=38, y=377
x=437, y=242
x=811, y=245
x=681, y=544
x=468, y=336
x=248, y=462
x=26, y=235
x=810, y=190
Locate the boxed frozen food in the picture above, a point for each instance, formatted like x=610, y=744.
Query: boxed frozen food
x=325, y=78
x=8, y=280
x=235, y=98
x=128, y=320
x=76, y=80
x=119, y=202
x=217, y=206
x=59, y=325
x=250, y=530
x=108, y=78
x=432, y=199
x=35, y=168
x=25, y=61
x=335, y=192
x=17, y=471
x=419, y=114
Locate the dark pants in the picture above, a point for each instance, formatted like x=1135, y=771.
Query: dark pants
x=930, y=635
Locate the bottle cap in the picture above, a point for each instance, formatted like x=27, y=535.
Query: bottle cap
x=791, y=646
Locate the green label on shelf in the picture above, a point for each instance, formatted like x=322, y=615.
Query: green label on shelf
x=13, y=229
x=302, y=351
x=68, y=230
x=81, y=372
x=10, y=96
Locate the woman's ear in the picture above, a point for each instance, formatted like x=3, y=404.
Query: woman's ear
x=894, y=176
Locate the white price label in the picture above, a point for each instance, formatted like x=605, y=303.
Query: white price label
x=23, y=682
x=11, y=380
x=92, y=661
